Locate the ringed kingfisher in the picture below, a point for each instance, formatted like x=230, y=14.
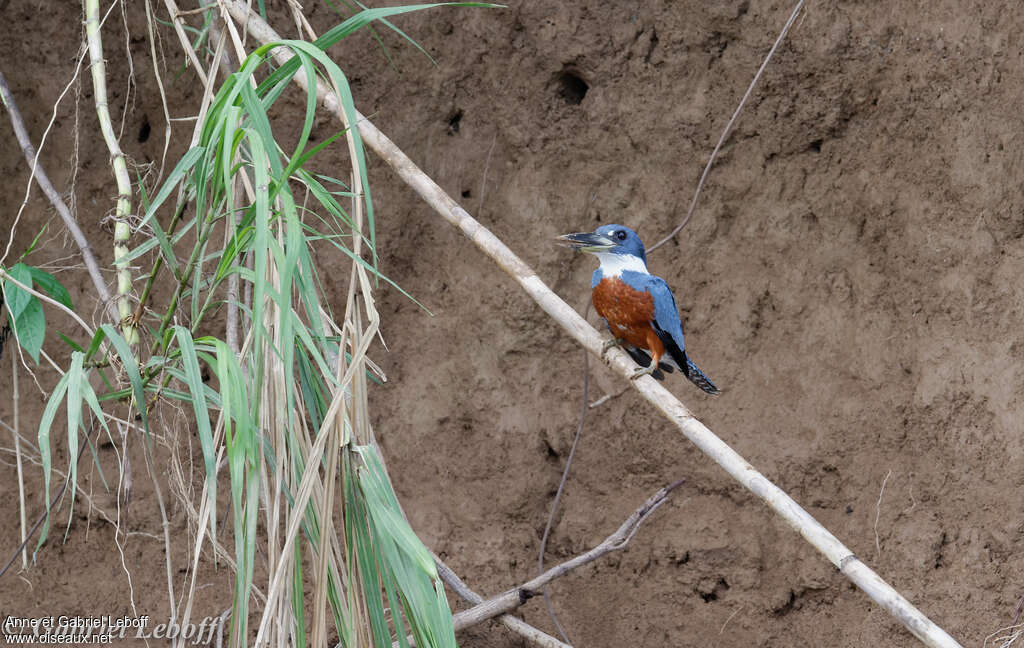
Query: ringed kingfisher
x=637, y=307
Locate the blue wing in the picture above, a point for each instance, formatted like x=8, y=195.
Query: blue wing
x=666, y=315
x=668, y=327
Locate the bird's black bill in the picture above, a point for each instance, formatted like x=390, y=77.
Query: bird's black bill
x=587, y=242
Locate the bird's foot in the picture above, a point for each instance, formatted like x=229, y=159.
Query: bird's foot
x=608, y=344
x=644, y=371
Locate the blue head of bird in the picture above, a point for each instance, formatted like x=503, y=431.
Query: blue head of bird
x=617, y=248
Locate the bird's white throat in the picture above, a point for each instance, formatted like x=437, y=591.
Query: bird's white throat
x=612, y=265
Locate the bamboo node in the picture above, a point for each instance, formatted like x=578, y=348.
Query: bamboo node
x=846, y=560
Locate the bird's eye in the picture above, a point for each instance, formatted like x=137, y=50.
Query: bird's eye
x=621, y=235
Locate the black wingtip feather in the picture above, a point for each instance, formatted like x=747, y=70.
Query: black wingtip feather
x=698, y=378
x=690, y=370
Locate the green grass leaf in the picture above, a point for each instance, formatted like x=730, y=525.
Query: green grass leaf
x=76, y=376
x=45, y=458
x=404, y=557
x=194, y=380
x=131, y=368
x=181, y=169
x=71, y=343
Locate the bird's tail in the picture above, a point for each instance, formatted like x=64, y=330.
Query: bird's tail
x=698, y=378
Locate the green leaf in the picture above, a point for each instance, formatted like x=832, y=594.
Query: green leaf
x=181, y=170
x=49, y=284
x=357, y=524
x=183, y=167
x=32, y=246
x=95, y=343
x=387, y=515
x=30, y=328
x=45, y=423
x=347, y=104
x=403, y=557
x=131, y=367
x=71, y=343
x=94, y=405
x=17, y=298
x=194, y=380
x=76, y=377
x=300, y=160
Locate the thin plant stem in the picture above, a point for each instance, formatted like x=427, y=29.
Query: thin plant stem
x=228, y=67
x=561, y=487
x=53, y=507
x=165, y=525
x=728, y=129
x=17, y=458
x=186, y=46
x=160, y=86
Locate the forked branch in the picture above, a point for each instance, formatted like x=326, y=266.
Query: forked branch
x=508, y=601
x=513, y=623
x=513, y=598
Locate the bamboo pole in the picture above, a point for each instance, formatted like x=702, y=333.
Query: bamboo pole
x=783, y=505
x=122, y=231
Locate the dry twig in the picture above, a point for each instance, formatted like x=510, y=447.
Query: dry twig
x=728, y=129
x=515, y=624
x=878, y=514
x=58, y=203
x=504, y=603
x=515, y=597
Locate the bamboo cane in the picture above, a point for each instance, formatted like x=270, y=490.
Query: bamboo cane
x=123, y=210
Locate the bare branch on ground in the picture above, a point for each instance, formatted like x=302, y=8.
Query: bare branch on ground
x=509, y=600
x=517, y=596
x=515, y=624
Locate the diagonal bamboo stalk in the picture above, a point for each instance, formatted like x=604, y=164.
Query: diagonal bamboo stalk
x=803, y=522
